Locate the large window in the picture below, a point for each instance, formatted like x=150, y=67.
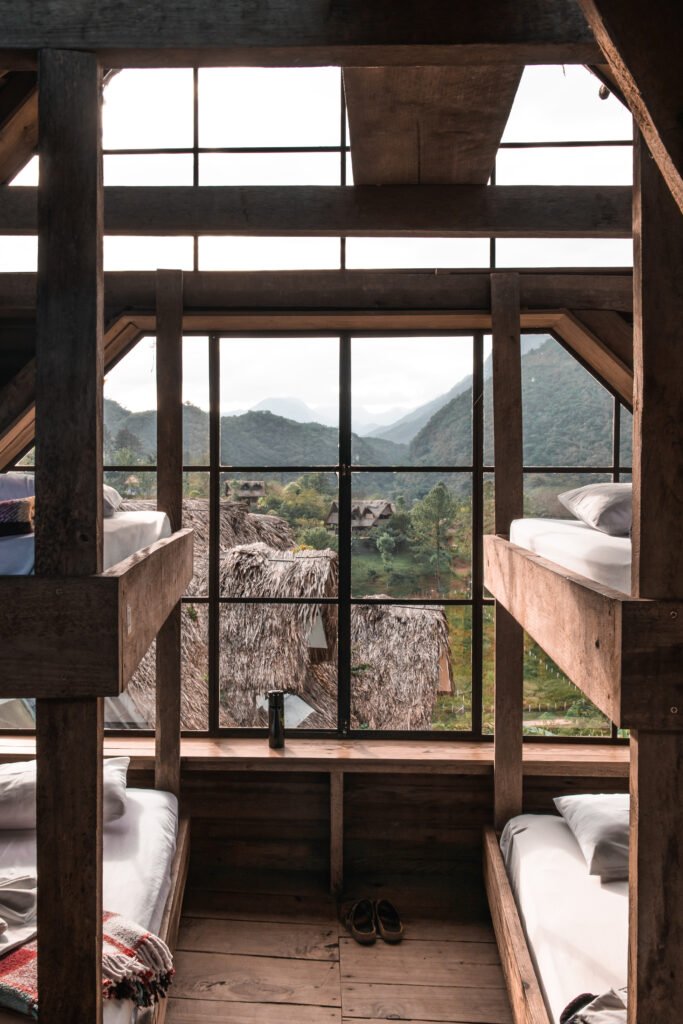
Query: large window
x=339, y=487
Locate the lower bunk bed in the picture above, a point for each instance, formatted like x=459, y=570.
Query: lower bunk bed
x=561, y=931
x=145, y=863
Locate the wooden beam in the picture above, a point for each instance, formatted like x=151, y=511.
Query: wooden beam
x=656, y=851
x=526, y=996
x=169, y=366
x=19, y=123
x=427, y=125
x=344, y=290
x=623, y=653
x=658, y=396
x=336, y=832
x=613, y=330
x=642, y=48
x=270, y=32
x=598, y=355
x=87, y=635
x=68, y=540
x=509, y=505
x=395, y=210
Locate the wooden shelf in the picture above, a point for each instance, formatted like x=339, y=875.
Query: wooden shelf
x=360, y=756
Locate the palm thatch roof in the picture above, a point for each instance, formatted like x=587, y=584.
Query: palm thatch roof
x=237, y=526
x=399, y=654
x=276, y=646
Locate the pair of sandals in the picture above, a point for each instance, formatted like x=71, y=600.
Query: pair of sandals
x=369, y=918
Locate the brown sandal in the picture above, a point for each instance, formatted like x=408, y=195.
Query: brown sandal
x=387, y=921
x=360, y=922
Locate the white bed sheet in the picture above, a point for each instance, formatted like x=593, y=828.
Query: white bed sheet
x=124, y=533
x=579, y=548
x=138, y=853
x=576, y=927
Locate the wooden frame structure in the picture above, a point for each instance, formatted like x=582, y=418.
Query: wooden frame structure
x=78, y=633
x=624, y=652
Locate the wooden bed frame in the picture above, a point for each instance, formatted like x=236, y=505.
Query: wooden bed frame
x=624, y=652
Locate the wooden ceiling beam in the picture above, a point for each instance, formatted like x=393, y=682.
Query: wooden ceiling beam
x=463, y=211
x=168, y=33
x=436, y=126
x=337, y=290
x=18, y=122
x=642, y=45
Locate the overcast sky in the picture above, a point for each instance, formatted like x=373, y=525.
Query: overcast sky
x=278, y=107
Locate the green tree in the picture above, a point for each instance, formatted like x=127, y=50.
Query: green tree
x=431, y=519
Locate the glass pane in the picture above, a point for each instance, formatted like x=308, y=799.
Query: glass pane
x=278, y=535
x=278, y=646
x=488, y=669
x=130, y=402
x=242, y=252
x=592, y=165
x=19, y=254
x=416, y=253
x=195, y=401
x=138, y=489
x=269, y=169
x=269, y=107
x=136, y=708
x=148, y=252
x=150, y=169
x=553, y=706
x=28, y=175
x=196, y=512
x=541, y=491
x=149, y=108
x=567, y=413
x=561, y=102
x=625, y=438
x=17, y=713
x=564, y=252
x=411, y=535
x=195, y=666
x=401, y=412
x=29, y=459
x=279, y=401
x=410, y=667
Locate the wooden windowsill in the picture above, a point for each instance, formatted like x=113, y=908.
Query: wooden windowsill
x=388, y=756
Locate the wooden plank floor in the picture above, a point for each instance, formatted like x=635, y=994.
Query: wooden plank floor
x=284, y=958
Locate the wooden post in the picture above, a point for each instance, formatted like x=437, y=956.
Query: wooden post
x=69, y=524
x=656, y=866
x=336, y=831
x=507, y=436
x=170, y=500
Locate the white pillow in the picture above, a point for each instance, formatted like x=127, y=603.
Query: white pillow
x=604, y=507
x=17, y=485
x=600, y=824
x=18, y=792
x=111, y=501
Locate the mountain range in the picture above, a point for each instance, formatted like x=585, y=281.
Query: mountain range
x=567, y=417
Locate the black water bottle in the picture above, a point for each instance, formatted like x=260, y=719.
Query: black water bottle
x=276, y=719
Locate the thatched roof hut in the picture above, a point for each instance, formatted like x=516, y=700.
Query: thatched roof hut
x=237, y=526
x=277, y=646
x=399, y=662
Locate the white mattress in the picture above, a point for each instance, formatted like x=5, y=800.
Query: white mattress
x=138, y=852
x=578, y=548
x=124, y=533
x=576, y=927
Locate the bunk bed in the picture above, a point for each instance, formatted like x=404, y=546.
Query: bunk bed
x=75, y=630
x=563, y=932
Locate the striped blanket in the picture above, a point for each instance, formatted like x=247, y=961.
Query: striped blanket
x=17, y=516
x=136, y=965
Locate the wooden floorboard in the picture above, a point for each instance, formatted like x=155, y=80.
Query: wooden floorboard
x=286, y=958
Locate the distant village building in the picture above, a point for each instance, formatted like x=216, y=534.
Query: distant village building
x=248, y=491
x=364, y=514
